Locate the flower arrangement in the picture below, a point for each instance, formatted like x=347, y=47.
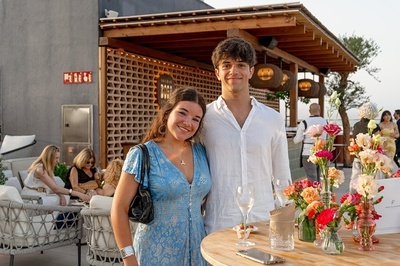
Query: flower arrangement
x=305, y=195
x=368, y=149
x=322, y=151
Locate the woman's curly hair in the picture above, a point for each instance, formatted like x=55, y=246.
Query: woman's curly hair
x=113, y=172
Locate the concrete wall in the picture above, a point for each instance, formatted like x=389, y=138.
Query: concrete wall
x=42, y=39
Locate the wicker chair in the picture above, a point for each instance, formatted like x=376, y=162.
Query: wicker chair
x=27, y=228
x=102, y=248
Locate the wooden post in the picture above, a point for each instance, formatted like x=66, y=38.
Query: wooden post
x=294, y=112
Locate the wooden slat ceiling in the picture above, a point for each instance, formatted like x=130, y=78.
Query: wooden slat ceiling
x=190, y=37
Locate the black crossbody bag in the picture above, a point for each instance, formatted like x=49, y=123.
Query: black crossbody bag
x=141, y=209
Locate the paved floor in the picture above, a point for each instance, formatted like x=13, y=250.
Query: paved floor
x=62, y=256
x=67, y=256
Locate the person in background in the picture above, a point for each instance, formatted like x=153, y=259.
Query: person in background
x=82, y=176
x=245, y=140
x=311, y=169
x=396, y=115
x=367, y=111
x=111, y=177
x=179, y=179
x=389, y=129
x=40, y=177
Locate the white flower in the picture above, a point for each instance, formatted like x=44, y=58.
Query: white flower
x=368, y=110
x=366, y=186
x=371, y=124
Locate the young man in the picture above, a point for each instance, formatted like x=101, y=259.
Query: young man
x=312, y=170
x=245, y=140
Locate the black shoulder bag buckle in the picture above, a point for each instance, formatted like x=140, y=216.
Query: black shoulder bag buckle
x=141, y=209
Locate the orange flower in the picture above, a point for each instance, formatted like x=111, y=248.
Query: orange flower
x=354, y=148
x=310, y=194
x=320, y=144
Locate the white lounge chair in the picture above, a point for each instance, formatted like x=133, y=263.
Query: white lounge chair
x=102, y=248
x=17, y=146
x=28, y=228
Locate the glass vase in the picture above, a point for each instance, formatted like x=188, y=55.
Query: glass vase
x=307, y=230
x=366, y=226
x=332, y=243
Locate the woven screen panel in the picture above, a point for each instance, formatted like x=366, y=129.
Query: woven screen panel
x=132, y=94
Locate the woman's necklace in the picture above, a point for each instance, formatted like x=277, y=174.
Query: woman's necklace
x=181, y=156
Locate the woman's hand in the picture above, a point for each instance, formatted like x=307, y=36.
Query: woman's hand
x=63, y=201
x=83, y=197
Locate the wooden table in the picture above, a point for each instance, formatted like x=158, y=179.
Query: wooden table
x=219, y=248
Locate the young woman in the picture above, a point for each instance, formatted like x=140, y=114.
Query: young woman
x=179, y=180
x=40, y=179
x=111, y=177
x=390, y=131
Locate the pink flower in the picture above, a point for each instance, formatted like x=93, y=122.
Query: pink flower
x=314, y=131
x=332, y=129
x=324, y=154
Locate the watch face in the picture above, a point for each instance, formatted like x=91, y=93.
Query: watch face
x=123, y=252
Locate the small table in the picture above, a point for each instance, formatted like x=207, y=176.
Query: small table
x=219, y=248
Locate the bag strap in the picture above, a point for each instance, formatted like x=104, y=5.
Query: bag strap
x=145, y=169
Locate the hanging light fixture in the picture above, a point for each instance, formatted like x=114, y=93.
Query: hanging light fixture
x=305, y=84
x=266, y=76
x=308, y=88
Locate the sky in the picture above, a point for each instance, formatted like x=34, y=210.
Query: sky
x=369, y=19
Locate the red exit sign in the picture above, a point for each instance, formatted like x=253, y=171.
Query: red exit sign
x=78, y=77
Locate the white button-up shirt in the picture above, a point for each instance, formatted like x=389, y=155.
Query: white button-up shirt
x=253, y=154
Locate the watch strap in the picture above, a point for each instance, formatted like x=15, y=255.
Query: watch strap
x=127, y=251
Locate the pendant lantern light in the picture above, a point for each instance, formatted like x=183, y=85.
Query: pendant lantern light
x=266, y=76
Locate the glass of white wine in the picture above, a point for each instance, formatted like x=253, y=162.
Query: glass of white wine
x=245, y=201
x=279, y=186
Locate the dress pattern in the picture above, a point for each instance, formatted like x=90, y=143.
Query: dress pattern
x=175, y=234
x=390, y=148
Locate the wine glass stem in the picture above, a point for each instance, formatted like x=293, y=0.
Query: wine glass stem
x=244, y=227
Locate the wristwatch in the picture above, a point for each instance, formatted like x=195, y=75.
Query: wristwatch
x=70, y=192
x=127, y=251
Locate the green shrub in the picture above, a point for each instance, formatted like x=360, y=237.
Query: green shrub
x=3, y=178
x=61, y=170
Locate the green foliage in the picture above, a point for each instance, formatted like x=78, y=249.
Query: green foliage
x=354, y=95
x=3, y=178
x=365, y=49
x=61, y=170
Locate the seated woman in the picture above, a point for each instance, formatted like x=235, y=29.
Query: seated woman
x=111, y=177
x=40, y=180
x=82, y=176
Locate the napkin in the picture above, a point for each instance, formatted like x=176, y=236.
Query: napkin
x=281, y=215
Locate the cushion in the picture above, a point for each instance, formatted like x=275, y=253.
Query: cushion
x=8, y=173
x=22, y=175
x=53, y=199
x=10, y=193
x=101, y=202
x=14, y=182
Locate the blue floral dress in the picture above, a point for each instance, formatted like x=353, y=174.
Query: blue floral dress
x=175, y=234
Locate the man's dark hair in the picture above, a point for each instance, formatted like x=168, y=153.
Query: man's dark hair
x=235, y=48
x=397, y=111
